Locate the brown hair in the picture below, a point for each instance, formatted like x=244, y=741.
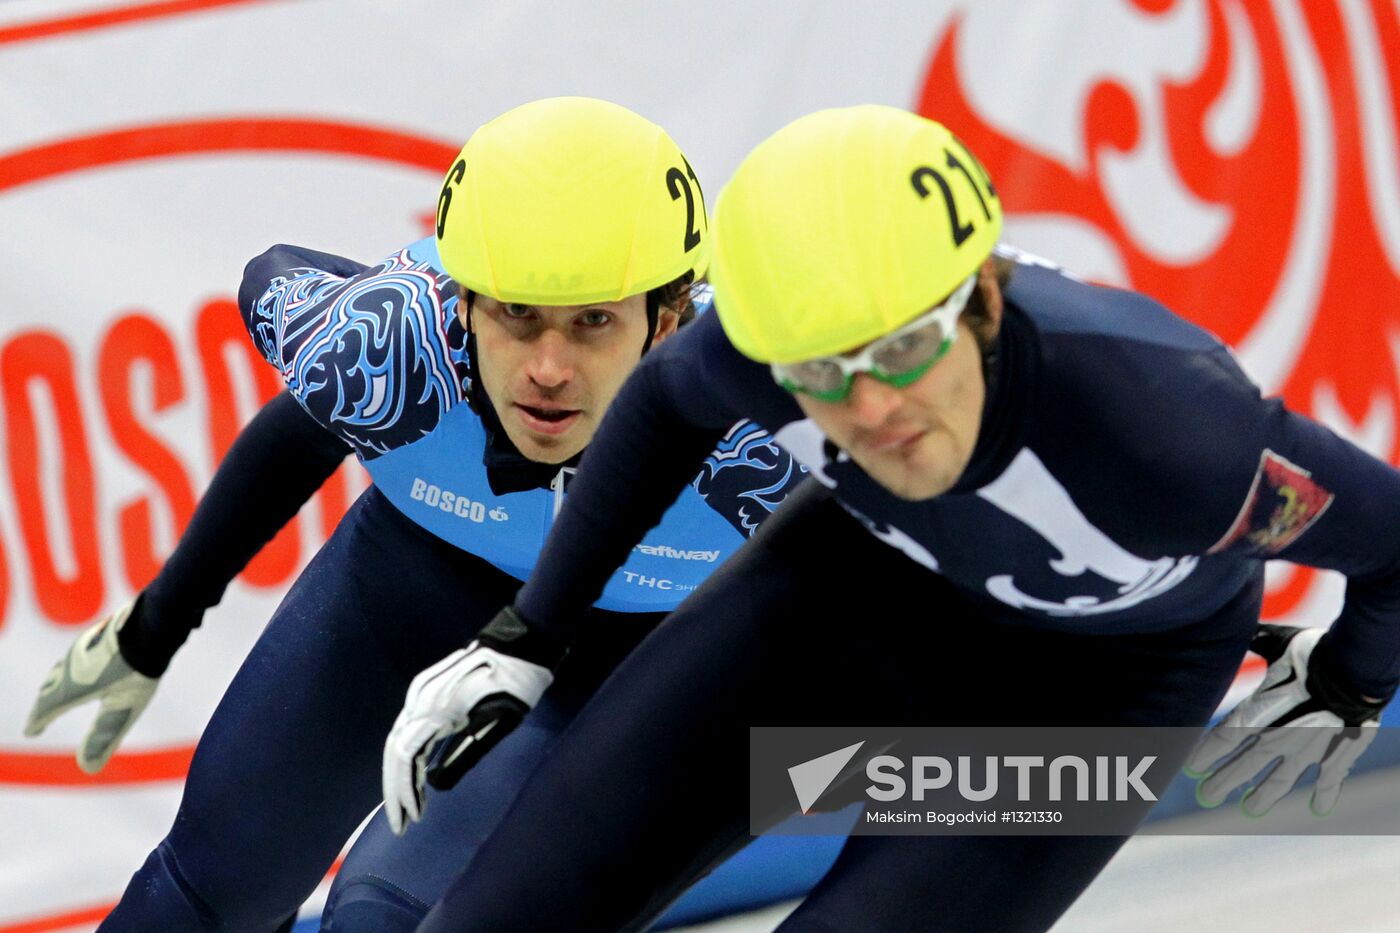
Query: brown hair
x=675, y=295
x=976, y=316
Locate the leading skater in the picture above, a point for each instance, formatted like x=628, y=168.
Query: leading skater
x=1041, y=502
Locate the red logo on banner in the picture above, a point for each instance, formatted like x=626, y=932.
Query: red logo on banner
x=1242, y=169
x=43, y=360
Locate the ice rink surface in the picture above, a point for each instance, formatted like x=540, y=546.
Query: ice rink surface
x=1244, y=884
x=1347, y=882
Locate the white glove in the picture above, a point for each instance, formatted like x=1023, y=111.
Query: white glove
x=1295, y=719
x=93, y=669
x=472, y=698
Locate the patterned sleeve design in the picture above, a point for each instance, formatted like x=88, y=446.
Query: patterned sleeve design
x=377, y=358
x=747, y=476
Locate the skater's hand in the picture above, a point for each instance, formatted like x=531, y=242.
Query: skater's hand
x=463, y=706
x=1298, y=717
x=94, y=669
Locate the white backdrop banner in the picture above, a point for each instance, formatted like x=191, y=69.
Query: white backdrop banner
x=1235, y=158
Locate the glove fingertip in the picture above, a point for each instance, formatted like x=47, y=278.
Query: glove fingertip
x=1202, y=799
x=1254, y=814
x=413, y=809
x=39, y=718
x=92, y=764
x=1316, y=807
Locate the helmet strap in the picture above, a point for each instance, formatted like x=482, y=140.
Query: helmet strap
x=653, y=315
x=474, y=390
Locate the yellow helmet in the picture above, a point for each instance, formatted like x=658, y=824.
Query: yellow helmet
x=843, y=226
x=570, y=200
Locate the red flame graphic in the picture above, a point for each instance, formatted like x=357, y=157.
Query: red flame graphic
x=1347, y=348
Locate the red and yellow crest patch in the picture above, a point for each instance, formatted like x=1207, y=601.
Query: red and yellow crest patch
x=1283, y=502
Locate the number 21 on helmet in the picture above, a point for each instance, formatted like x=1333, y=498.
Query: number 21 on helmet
x=570, y=200
x=844, y=226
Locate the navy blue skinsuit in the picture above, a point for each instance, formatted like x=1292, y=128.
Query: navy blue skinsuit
x=1100, y=561
x=290, y=762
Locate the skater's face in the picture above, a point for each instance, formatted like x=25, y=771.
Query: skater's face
x=916, y=440
x=551, y=371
